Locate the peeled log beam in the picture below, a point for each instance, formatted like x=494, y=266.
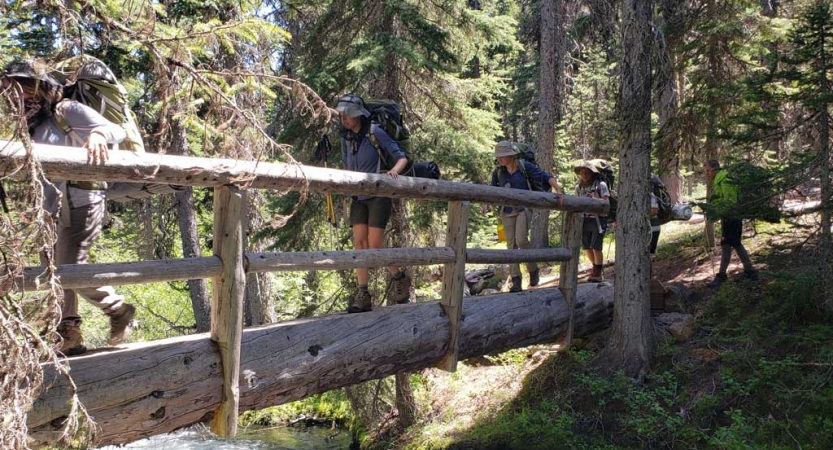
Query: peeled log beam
x=69, y=163
x=157, y=387
x=483, y=256
x=117, y=274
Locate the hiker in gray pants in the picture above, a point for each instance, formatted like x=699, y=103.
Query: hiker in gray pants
x=79, y=205
x=515, y=173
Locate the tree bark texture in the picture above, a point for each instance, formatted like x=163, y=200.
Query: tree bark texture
x=149, y=388
x=62, y=163
x=187, y=217
x=630, y=339
x=260, y=306
x=552, y=50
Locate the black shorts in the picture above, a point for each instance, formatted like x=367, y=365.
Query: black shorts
x=731, y=231
x=591, y=238
x=373, y=212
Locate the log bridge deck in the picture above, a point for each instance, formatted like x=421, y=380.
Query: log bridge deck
x=150, y=388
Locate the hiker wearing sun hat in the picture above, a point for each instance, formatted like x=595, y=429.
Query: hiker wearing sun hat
x=593, y=226
x=516, y=173
x=369, y=215
x=79, y=205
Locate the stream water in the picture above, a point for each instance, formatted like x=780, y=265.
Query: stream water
x=278, y=438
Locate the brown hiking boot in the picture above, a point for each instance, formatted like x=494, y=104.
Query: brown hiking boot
x=72, y=341
x=399, y=289
x=362, y=302
x=516, y=284
x=120, y=321
x=595, y=276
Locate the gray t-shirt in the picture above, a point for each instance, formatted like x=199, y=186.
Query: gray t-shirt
x=597, y=189
x=83, y=121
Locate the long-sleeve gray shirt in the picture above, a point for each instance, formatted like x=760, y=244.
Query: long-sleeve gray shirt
x=83, y=121
x=361, y=156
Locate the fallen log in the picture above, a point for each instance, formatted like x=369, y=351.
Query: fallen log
x=145, y=389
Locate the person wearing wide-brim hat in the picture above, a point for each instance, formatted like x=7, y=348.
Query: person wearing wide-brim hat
x=593, y=226
x=517, y=173
x=81, y=205
x=369, y=215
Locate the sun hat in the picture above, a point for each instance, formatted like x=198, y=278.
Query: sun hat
x=352, y=106
x=506, y=148
x=26, y=69
x=585, y=165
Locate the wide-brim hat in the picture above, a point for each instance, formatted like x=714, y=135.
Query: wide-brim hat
x=26, y=69
x=352, y=106
x=506, y=148
x=585, y=165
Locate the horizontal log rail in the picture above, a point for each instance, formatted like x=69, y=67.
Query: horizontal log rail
x=118, y=274
x=69, y=163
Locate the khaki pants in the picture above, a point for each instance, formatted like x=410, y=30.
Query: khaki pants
x=73, y=247
x=516, y=227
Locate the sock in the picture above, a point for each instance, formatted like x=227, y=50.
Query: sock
x=363, y=287
x=400, y=275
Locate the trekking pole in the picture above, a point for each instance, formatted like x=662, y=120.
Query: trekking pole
x=322, y=153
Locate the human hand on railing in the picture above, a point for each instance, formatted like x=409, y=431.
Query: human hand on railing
x=96, y=146
x=392, y=173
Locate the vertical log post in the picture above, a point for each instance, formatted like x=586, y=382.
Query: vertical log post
x=453, y=279
x=568, y=275
x=227, y=301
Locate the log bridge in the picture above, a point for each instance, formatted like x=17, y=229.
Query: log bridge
x=143, y=389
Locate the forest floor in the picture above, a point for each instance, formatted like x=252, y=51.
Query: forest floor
x=755, y=371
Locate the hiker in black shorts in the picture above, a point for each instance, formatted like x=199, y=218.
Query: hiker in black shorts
x=369, y=215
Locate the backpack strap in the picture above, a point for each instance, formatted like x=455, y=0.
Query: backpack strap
x=375, y=142
x=522, y=167
x=59, y=118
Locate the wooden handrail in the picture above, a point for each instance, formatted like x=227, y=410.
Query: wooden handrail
x=69, y=163
x=118, y=274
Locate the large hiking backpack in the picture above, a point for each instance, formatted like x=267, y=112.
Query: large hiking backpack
x=387, y=115
x=606, y=174
x=757, y=194
x=89, y=81
x=664, y=207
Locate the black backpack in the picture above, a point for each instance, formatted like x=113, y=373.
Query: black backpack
x=387, y=115
x=606, y=174
x=663, y=200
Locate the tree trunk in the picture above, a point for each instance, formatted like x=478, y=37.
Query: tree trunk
x=825, y=272
x=629, y=348
x=669, y=141
x=260, y=306
x=552, y=49
x=149, y=388
x=186, y=214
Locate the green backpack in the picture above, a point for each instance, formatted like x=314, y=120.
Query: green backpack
x=89, y=81
x=757, y=194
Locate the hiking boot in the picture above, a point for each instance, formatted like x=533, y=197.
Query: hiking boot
x=750, y=275
x=534, y=278
x=362, y=302
x=120, y=321
x=596, y=275
x=516, y=284
x=399, y=289
x=72, y=341
x=718, y=280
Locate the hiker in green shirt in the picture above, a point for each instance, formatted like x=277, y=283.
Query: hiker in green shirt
x=724, y=197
